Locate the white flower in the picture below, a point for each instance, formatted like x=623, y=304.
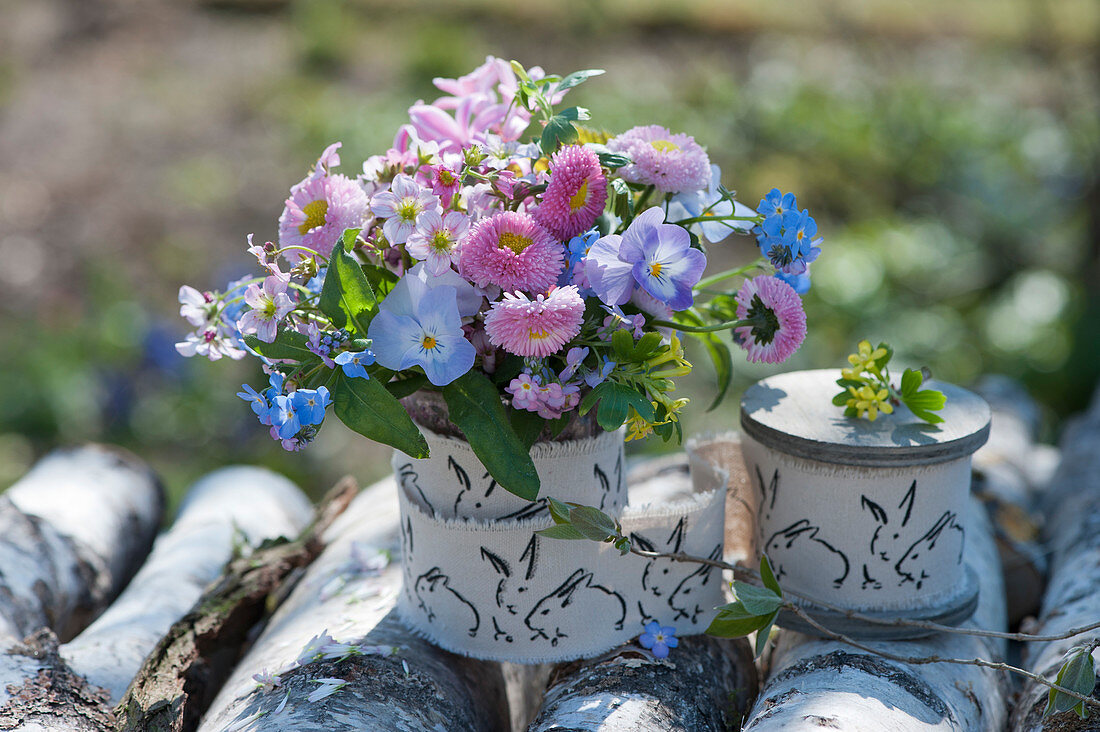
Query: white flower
x=314, y=649
x=338, y=651
x=266, y=681
x=327, y=687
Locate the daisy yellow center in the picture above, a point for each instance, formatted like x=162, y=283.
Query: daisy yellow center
x=516, y=242
x=408, y=209
x=428, y=343
x=655, y=269
x=579, y=198
x=665, y=145
x=441, y=240
x=446, y=177
x=538, y=335
x=315, y=215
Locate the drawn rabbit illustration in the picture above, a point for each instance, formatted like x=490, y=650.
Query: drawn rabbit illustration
x=407, y=478
x=663, y=587
x=577, y=602
x=766, y=503
x=606, y=488
x=684, y=599
x=436, y=597
x=892, y=546
x=801, y=543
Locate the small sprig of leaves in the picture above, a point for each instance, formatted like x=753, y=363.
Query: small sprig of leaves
x=537, y=95
x=1078, y=673
x=868, y=390
x=753, y=608
x=574, y=521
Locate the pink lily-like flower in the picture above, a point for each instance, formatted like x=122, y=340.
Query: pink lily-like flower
x=269, y=305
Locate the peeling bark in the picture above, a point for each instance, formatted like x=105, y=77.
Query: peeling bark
x=259, y=504
x=1072, y=598
x=72, y=533
x=186, y=668
x=418, y=687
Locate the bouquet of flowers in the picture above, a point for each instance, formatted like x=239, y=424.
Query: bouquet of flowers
x=526, y=279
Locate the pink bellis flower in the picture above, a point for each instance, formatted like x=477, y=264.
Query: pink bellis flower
x=654, y=255
x=512, y=251
x=320, y=208
x=673, y=163
x=420, y=326
x=535, y=328
x=576, y=194
x=269, y=305
x=778, y=324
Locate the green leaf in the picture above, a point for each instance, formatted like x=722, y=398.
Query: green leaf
x=622, y=342
x=614, y=160
x=561, y=531
x=559, y=129
x=528, y=425
x=380, y=279
x=288, y=344
x=734, y=621
x=402, y=388
x=593, y=523
x=910, y=382
x=558, y=511
x=757, y=600
x=646, y=346
x=850, y=382
x=764, y=634
x=1078, y=674
x=474, y=405
x=574, y=114
x=768, y=576
x=346, y=296
x=615, y=403
x=881, y=362
x=577, y=78
x=367, y=407
x=841, y=399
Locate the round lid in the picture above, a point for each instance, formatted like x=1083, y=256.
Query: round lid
x=794, y=413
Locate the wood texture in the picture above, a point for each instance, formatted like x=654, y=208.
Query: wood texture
x=72, y=533
x=1072, y=598
x=187, y=667
x=227, y=509
x=419, y=687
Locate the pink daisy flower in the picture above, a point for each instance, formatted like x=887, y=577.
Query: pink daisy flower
x=436, y=239
x=536, y=327
x=778, y=322
x=400, y=205
x=576, y=193
x=511, y=250
x=671, y=162
x=320, y=208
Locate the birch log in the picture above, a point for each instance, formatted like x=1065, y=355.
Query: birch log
x=237, y=504
x=72, y=533
x=396, y=680
x=704, y=684
x=1072, y=598
x=818, y=683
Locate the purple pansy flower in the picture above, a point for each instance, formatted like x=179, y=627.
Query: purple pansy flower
x=650, y=253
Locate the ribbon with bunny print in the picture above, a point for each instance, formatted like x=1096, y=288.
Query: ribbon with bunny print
x=478, y=581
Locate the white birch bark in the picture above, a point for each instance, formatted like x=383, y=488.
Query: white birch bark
x=72, y=532
x=818, y=683
x=418, y=687
x=1072, y=598
x=229, y=506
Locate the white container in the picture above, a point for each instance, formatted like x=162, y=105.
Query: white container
x=861, y=515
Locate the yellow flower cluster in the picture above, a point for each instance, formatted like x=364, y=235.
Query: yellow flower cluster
x=866, y=399
x=862, y=361
x=637, y=428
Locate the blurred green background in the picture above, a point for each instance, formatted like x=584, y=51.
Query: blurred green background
x=948, y=149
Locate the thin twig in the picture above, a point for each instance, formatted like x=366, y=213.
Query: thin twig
x=745, y=572
x=917, y=660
